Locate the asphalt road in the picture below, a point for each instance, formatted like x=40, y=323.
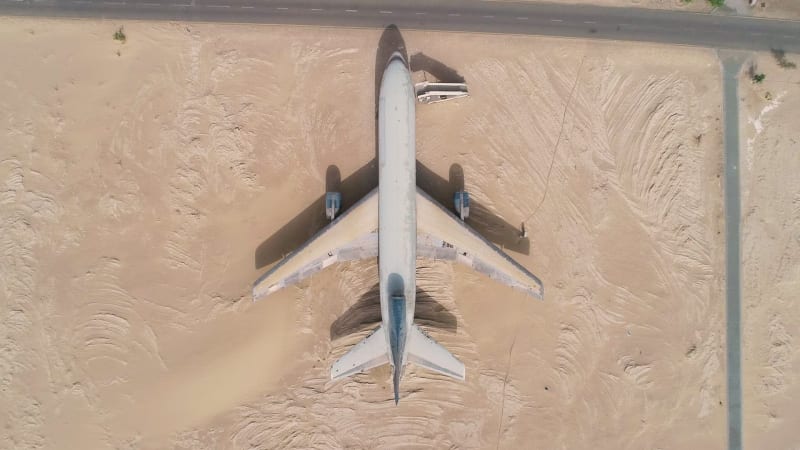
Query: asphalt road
x=731, y=66
x=631, y=24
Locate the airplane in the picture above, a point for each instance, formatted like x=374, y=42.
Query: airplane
x=398, y=223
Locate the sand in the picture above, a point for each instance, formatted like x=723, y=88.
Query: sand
x=770, y=255
x=140, y=178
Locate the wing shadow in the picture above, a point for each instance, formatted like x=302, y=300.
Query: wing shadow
x=366, y=313
x=485, y=222
x=362, y=181
x=303, y=226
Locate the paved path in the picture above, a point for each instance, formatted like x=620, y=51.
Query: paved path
x=731, y=67
x=631, y=24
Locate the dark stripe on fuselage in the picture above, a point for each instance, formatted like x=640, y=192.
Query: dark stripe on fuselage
x=397, y=338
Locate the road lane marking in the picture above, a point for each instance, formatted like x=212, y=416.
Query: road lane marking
x=589, y=21
x=351, y=10
x=421, y=13
x=317, y=9
x=219, y=6
x=488, y=17
x=385, y=12
x=522, y=18
x=281, y=8
x=151, y=4
x=247, y=7
x=556, y=20
x=454, y=14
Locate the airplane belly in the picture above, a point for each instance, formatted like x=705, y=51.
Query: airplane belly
x=397, y=193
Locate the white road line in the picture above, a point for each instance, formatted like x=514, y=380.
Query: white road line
x=281, y=8
x=317, y=9
x=351, y=10
x=454, y=14
x=556, y=20
x=182, y=5
x=247, y=7
x=151, y=4
x=420, y=13
x=385, y=12
x=488, y=17
x=522, y=18
x=589, y=21
x=219, y=6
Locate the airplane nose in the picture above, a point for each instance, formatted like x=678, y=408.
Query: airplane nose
x=399, y=56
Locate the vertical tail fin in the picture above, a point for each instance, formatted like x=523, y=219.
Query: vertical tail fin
x=425, y=352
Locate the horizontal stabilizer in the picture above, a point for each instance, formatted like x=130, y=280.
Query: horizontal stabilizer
x=425, y=352
x=370, y=352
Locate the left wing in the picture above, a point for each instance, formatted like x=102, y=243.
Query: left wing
x=352, y=236
x=442, y=235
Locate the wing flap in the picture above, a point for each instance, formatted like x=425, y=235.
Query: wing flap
x=370, y=352
x=464, y=245
x=425, y=352
x=352, y=236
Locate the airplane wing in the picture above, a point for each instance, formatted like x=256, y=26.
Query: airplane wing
x=351, y=236
x=442, y=235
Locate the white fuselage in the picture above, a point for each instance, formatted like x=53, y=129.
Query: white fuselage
x=397, y=208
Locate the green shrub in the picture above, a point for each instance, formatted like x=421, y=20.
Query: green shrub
x=119, y=35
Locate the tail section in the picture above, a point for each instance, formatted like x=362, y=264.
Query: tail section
x=369, y=353
x=421, y=350
x=425, y=352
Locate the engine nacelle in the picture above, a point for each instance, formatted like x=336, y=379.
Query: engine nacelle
x=461, y=204
x=333, y=202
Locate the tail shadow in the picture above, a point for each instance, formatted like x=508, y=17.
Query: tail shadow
x=366, y=313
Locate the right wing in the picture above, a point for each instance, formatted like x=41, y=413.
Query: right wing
x=351, y=236
x=442, y=235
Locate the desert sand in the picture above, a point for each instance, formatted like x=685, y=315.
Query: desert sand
x=770, y=255
x=139, y=179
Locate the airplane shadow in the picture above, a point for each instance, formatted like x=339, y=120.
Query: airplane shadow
x=362, y=181
x=440, y=71
x=366, y=313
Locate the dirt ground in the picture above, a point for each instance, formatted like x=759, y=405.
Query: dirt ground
x=139, y=180
x=770, y=255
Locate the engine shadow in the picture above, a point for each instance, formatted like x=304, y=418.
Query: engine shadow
x=366, y=313
x=312, y=219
